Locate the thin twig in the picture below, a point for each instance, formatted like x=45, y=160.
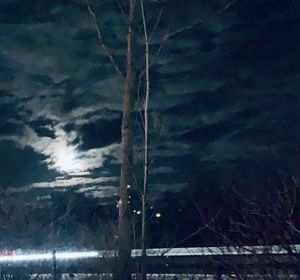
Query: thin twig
x=138, y=98
x=125, y=17
x=136, y=186
x=197, y=22
x=197, y=231
x=103, y=45
x=155, y=25
x=146, y=153
x=169, y=35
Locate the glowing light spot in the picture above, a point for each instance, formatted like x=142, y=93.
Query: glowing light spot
x=66, y=159
x=66, y=162
x=76, y=255
x=157, y=215
x=48, y=256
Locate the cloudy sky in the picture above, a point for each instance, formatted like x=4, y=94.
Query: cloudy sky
x=224, y=95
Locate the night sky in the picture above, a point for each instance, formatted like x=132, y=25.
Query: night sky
x=224, y=102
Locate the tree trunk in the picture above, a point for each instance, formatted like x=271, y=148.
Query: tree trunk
x=123, y=270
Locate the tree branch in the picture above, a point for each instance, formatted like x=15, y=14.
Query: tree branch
x=102, y=44
x=156, y=25
x=197, y=231
x=169, y=35
x=146, y=153
x=122, y=10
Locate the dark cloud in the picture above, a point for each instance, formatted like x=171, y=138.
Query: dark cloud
x=209, y=132
x=43, y=127
x=5, y=94
x=260, y=9
x=12, y=110
x=7, y=73
x=18, y=12
x=100, y=133
x=10, y=128
x=22, y=166
x=222, y=93
x=41, y=79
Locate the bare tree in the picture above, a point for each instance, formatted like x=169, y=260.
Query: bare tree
x=124, y=232
x=265, y=221
x=131, y=85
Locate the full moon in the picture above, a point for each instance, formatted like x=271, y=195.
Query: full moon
x=67, y=162
x=66, y=159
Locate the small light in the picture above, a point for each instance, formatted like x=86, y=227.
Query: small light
x=157, y=215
